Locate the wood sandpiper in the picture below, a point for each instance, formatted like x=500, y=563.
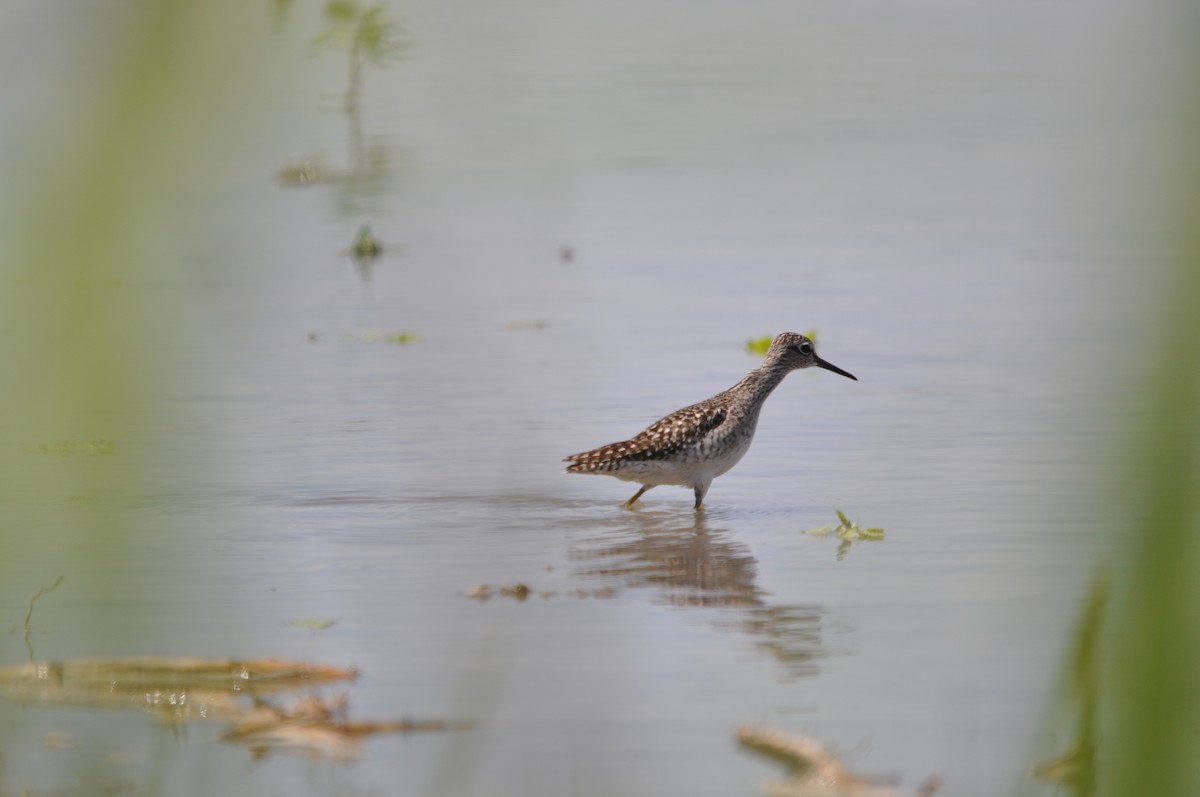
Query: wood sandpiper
x=694, y=445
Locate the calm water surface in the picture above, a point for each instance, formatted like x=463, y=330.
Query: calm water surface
x=909, y=183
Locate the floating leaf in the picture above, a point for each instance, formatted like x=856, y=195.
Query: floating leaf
x=365, y=246
x=847, y=531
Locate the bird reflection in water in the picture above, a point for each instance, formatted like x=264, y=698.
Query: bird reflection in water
x=684, y=562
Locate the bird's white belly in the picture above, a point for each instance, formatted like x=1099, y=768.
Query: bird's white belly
x=685, y=471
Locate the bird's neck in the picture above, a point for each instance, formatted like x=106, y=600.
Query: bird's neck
x=759, y=383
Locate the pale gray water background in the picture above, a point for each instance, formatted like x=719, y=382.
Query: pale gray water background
x=923, y=186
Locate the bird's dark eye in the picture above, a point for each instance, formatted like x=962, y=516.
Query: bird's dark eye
x=805, y=348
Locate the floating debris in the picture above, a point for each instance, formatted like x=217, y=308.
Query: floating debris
x=517, y=326
x=518, y=591
x=483, y=592
x=398, y=338
x=365, y=246
x=521, y=592
x=479, y=592
x=179, y=690
x=317, y=727
x=118, y=676
x=314, y=624
x=68, y=448
x=814, y=771
x=309, y=172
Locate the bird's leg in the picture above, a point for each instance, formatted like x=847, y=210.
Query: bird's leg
x=629, y=504
x=701, y=490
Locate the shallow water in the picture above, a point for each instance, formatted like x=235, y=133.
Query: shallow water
x=908, y=193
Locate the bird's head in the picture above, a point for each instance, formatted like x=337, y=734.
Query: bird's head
x=793, y=350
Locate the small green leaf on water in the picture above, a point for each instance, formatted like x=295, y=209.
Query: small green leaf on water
x=847, y=532
x=759, y=346
x=341, y=10
x=399, y=338
x=314, y=624
x=365, y=246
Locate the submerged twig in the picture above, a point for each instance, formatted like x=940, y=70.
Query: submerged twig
x=814, y=771
x=317, y=727
x=29, y=615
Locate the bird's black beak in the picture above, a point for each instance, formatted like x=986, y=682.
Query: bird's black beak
x=828, y=366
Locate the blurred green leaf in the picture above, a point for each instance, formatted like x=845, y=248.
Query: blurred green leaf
x=331, y=38
x=1136, y=686
x=341, y=10
x=759, y=346
x=378, y=37
x=370, y=36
